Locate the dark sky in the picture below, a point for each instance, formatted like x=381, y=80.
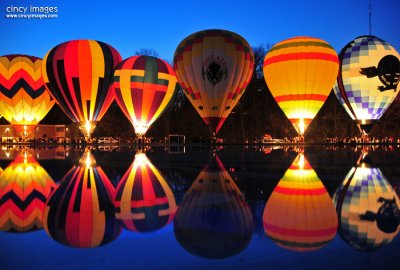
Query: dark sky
x=161, y=25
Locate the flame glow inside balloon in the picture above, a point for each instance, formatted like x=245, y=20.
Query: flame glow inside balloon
x=300, y=72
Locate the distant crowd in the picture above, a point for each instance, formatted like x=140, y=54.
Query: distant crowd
x=361, y=140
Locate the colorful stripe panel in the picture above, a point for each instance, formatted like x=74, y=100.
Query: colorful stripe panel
x=299, y=214
x=24, y=100
x=78, y=74
x=24, y=189
x=144, y=86
x=80, y=212
x=144, y=202
x=214, y=68
x=300, y=73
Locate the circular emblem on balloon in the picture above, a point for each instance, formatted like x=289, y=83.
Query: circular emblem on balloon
x=214, y=69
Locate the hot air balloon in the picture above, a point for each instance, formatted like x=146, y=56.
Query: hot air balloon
x=299, y=215
x=300, y=72
x=144, y=202
x=78, y=74
x=80, y=212
x=214, y=220
x=368, y=79
x=24, y=100
x=24, y=188
x=144, y=86
x=214, y=68
x=367, y=207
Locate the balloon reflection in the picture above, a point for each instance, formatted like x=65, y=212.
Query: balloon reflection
x=143, y=201
x=367, y=207
x=24, y=188
x=214, y=220
x=299, y=215
x=80, y=212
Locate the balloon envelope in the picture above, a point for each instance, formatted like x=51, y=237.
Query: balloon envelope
x=300, y=73
x=214, y=68
x=144, y=86
x=214, y=220
x=24, y=100
x=299, y=214
x=78, y=74
x=80, y=212
x=368, y=79
x=24, y=188
x=367, y=208
x=143, y=200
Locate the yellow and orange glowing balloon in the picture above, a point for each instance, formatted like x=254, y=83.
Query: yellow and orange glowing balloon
x=24, y=100
x=300, y=72
x=214, y=68
x=144, y=86
x=24, y=189
x=143, y=200
x=299, y=214
x=78, y=75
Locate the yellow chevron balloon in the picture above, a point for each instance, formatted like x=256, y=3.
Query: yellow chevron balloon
x=24, y=100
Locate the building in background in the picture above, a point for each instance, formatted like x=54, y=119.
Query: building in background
x=58, y=133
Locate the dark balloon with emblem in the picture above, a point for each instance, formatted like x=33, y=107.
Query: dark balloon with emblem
x=214, y=220
x=214, y=68
x=80, y=212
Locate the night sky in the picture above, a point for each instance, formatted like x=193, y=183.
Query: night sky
x=160, y=25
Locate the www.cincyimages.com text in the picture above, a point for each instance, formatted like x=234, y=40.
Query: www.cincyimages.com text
x=31, y=12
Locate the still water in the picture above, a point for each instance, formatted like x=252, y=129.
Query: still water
x=231, y=207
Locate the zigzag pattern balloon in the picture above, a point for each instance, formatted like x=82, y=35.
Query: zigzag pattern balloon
x=24, y=188
x=24, y=100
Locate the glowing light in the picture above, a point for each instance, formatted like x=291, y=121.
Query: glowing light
x=87, y=160
x=87, y=127
x=301, y=161
x=140, y=129
x=140, y=160
x=301, y=126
